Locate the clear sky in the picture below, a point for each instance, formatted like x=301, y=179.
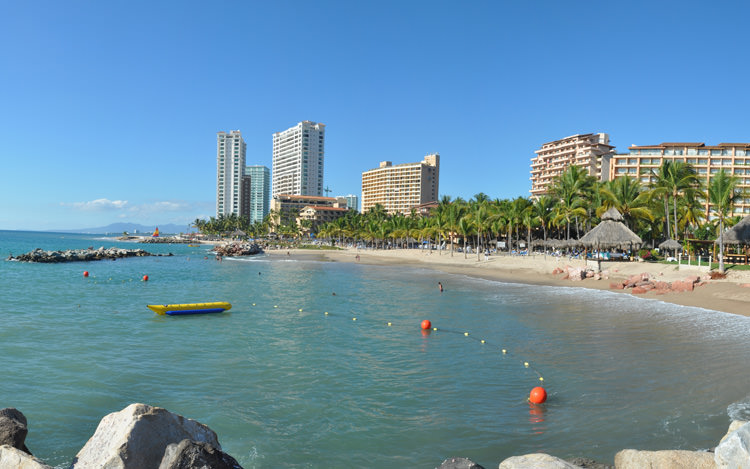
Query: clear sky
x=109, y=109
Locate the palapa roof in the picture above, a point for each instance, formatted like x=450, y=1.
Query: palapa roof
x=670, y=244
x=738, y=234
x=610, y=233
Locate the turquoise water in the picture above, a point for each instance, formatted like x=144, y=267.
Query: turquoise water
x=284, y=387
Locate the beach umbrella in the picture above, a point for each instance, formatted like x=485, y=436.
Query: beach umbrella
x=671, y=245
x=610, y=233
x=738, y=234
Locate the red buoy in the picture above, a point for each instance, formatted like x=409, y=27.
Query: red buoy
x=538, y=395
x=85, y=273
x=145, y=278
x=426, y=324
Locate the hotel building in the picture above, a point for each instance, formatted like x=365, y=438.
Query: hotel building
x=352, y=201
x=589, y=151
x=643, y=161
x=230, y=167
x=298, y=154
x=259, y=191
x=289, y=206
x=402, y=187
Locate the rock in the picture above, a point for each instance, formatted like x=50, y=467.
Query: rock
x=670, y=459
x=137, y=437
x=734, y=449
x=459, y=463
x=638, y=290
x=587, y=463
x=662, y=286
x=732, y=427
x=616, y=285
x=536, y=461
x=14, y=458
x=193, y=455
x=37, y=255
x=693, y=279
x=13, y=429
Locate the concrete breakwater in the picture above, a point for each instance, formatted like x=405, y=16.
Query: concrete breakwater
x=80, y=255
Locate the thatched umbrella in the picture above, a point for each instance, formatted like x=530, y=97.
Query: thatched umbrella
x=671, y=245
x=738, y=234
x=610, y=233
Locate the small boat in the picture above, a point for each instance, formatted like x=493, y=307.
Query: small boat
x=156, y=233
x=191, y=308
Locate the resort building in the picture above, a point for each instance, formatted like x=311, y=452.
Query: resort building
x=288, y=207
x=589, y=151
x=352, y=201
x=298, y=160
x=230, y=167
x=318, y=215
x=259, y=191
x=643, y=161
x=402, y=187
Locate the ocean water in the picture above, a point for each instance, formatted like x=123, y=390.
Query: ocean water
x=284, y=384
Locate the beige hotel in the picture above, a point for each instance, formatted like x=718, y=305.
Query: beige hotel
x=643, y=161
x=590, y=151
x=402, y=187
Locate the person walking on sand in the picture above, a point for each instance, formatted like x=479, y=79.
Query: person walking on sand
x=440, y=287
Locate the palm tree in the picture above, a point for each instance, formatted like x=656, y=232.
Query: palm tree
x=674, y=178
x=626, y=194
x=542, y=209
x=571, y=187
x=465, y=229
x=723, y=193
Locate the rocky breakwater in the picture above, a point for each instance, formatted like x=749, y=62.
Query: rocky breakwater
x=644, y=283
x=164, y=240
x=80, y=255
x=237, y=249
x=139, y=436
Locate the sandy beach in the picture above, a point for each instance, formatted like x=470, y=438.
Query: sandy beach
x=727, y=295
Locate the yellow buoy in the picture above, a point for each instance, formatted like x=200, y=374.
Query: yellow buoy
x=466, y=334
x=389, y=323
x=300, y=310
x=482, y=340
x=526, y=364
x=354, y=319
x=326, y=313
x=504, y=351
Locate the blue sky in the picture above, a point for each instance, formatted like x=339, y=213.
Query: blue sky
x=109, y=110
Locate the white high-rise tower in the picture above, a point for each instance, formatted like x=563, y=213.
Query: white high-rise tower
x=230, y=168
x=298, y=160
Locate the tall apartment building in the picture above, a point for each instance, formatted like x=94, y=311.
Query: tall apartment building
x=402, y=187
x=643, y=161
x=352, y=201
x=259, y=177
x=589, y=151
x=298, y=154
x=230, y=167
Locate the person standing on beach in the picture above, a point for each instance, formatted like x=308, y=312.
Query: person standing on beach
x=440, y=287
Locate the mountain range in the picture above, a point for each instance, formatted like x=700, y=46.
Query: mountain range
x=132, y=228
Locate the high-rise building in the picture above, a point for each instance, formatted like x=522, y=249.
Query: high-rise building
x=402, y=187
x=642, y=163
x=352, y=201
x=230, y=167
x=591, y=152
x=298, y=160
x=260, y=191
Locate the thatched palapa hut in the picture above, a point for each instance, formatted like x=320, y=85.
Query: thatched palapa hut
x=610, y=233
x=671, y=245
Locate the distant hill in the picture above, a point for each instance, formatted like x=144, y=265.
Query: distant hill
x=132, y=228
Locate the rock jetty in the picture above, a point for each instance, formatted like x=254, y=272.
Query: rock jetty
x=141, y=436
x=237, y=249
x=136, y=437
x=79, y=255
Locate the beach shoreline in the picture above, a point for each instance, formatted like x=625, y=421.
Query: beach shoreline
x=726, y=295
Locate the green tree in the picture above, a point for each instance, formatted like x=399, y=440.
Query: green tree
x=723, y=193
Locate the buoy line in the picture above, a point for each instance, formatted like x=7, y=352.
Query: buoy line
x=538, y=394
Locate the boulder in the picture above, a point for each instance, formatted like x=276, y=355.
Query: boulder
x=459, y=463
x=137, y=437
x=194, y=455
x=638, y=290
x=734, y=449
x=732, y=427
x=536, y=461
x=13, y=429
x=14, y=458
x=669, y=459
x=616, y=285
x=693, y=279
